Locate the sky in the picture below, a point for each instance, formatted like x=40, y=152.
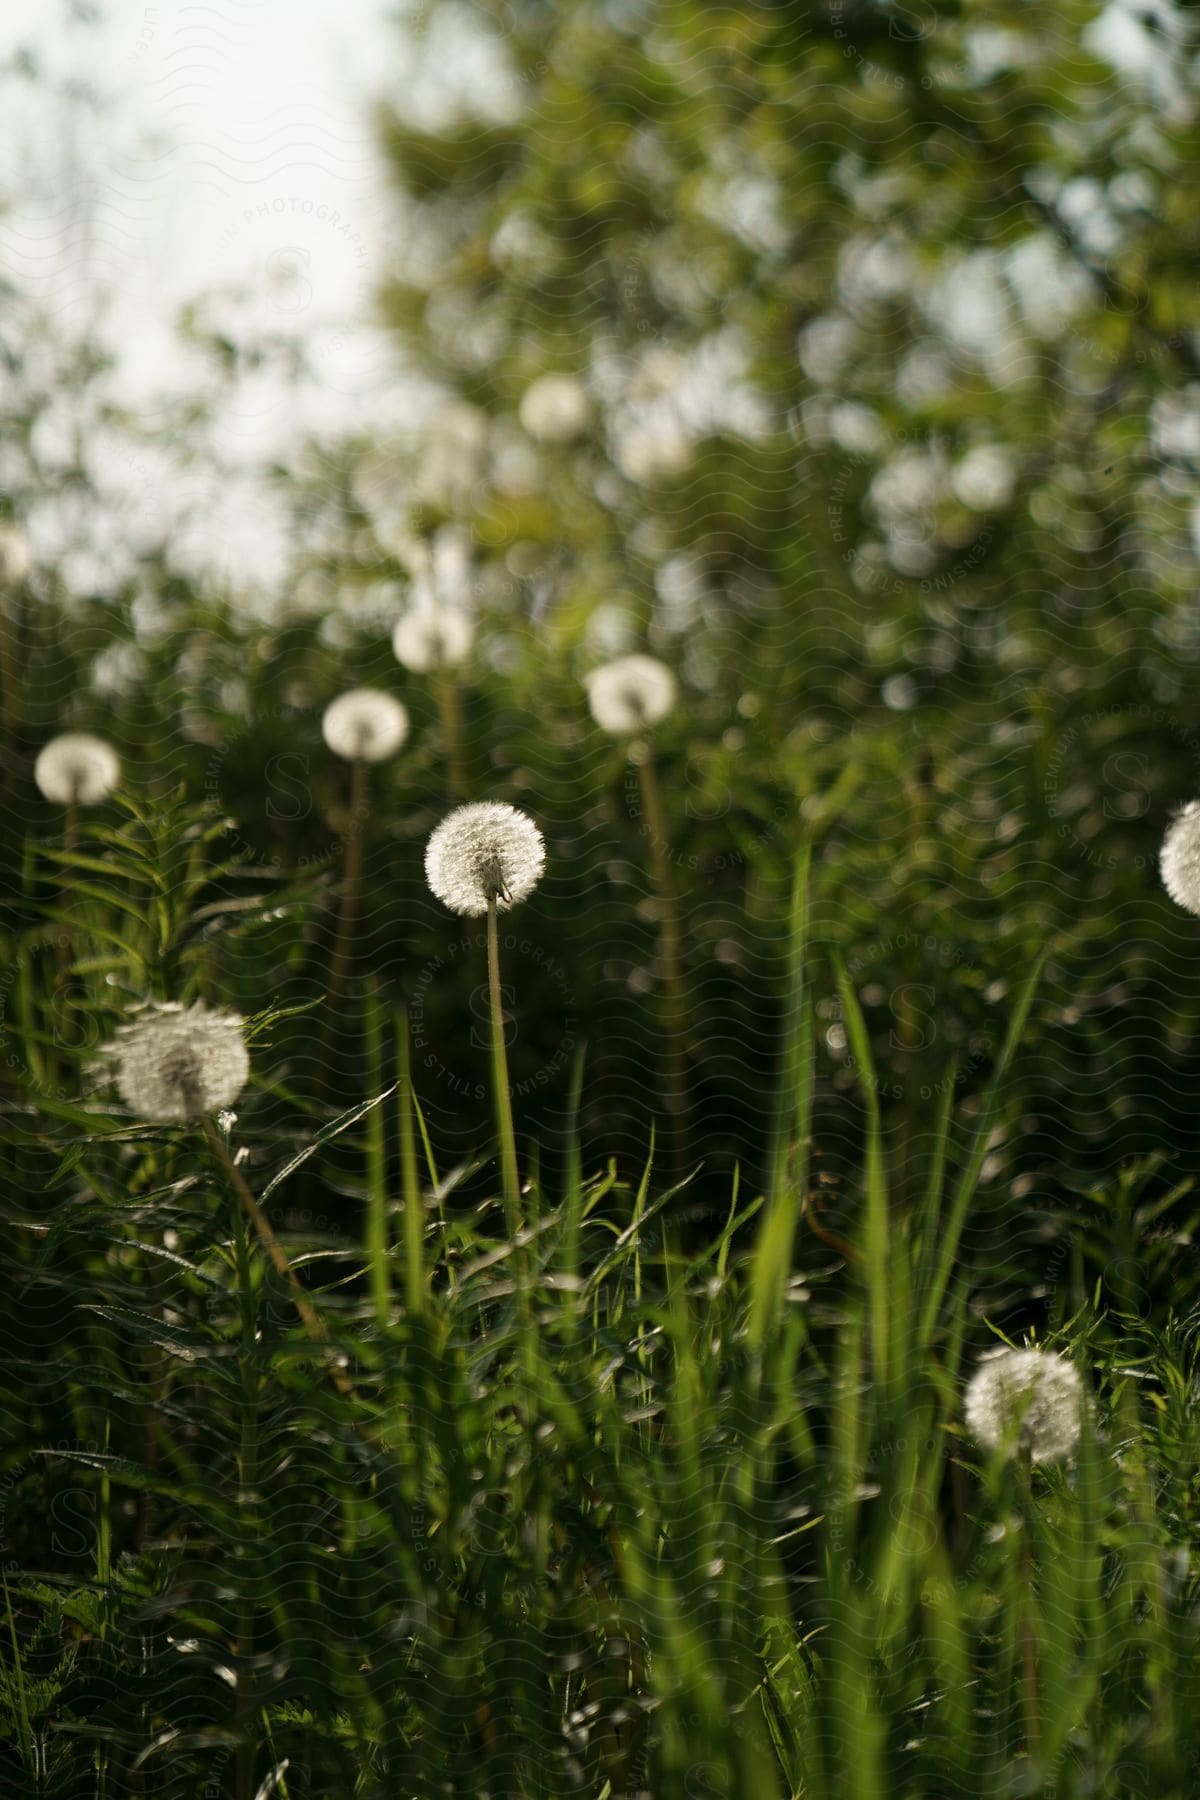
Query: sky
x=236, y=149
x=234, y=157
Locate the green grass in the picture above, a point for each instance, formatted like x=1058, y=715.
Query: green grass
x=593, y=1508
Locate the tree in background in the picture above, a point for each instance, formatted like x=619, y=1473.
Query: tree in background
x=845, y=357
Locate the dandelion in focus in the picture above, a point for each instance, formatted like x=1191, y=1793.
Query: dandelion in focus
x=1027, y=1404
x=555, y=409
x=1180, y=858
x=181, y=1064
x=631, y=694
x=77, y=769
x=482, y=855
x=365, y=725
x=173, y=1064
x=481, y=859
x=1026, y=1401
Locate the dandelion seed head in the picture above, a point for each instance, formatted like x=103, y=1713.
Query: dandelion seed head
x=485, y=851
x=555, y=409
x=432, y=637
x=1180, y=858
x=77, y=769
x=1027, y=1400
x=16, y=553
x=175, y=1063
x=630, y=694
x=365, y=725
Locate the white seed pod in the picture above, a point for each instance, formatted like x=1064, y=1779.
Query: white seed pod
x=432, y=637
x=77, y=769
x=555, y=409
x=1026, y=1400
x=482, y=852
x=1180, y=858
x=174, y=1063
x=630, y=694
x=16, y=554
x=365, y=725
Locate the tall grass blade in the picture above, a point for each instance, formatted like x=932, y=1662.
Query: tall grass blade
x=788, y=1176
x=326, y=1135
x=414, y=1211
x=947, y=1241
x=881, y=1276
x=378, y=1249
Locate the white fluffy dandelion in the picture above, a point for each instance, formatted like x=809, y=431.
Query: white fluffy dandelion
x=365, y=725
x=555, y=409
x=482, y=852
x=630, y=694
x=1027, y=1400
x=176, y=1063
x=77, y=769
x=1180, y=858
x=16, y=553
x=432, y=636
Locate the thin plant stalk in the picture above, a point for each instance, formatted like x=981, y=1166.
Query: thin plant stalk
x=378, y=1245
x=11, y=620
x=943, y=1249
x=248, y=1484
x=887, y=1283
x=352, y=872
x=787, y=1175
x=503, y=1098
x=1029, y=1681
x=674, y=1009
x=65, y=935
x=309, y=1315
x=449, y=700
x=414, y=1219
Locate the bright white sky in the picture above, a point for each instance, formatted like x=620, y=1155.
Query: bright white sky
x=236, y=156
x=237, y=150
x=235, y=161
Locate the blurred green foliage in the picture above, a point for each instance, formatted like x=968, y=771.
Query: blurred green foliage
x=884, y=324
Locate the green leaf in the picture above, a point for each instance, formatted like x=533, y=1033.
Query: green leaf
x=323, y=1137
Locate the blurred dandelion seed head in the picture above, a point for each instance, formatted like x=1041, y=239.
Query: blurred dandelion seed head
x=77, y=769
x=482, y=852
x=630, y=694
x=1026, y=1400
x=365, y=725
x=16, y=554
x=432, y=637
x=555, y=409
x=1180, y=859
x=174, y=1063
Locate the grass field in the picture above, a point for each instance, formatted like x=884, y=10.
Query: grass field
x=651, y=1477
x=680, y=1285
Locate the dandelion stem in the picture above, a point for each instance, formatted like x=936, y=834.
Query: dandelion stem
x=247, y=1484
x=312, y=1320
x=11, y=619
x=449, y=699
x=352, y=869
x=414, y=1221
x=504, y=1118
x=1028, y=1636
x=674, y=1009
x=378, y=1245
x=65, y=943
